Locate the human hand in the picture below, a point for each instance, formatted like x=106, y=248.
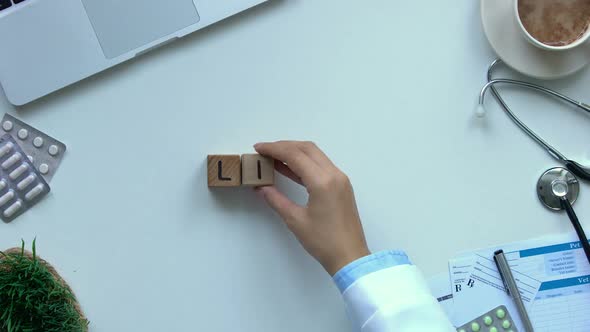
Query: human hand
x=329, y=226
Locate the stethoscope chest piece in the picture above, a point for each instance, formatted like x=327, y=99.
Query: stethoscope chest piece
x=555, y=184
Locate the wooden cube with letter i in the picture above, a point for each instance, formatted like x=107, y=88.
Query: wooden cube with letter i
x=257, y=170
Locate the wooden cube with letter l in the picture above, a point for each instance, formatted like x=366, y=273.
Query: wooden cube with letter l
x=224, y=170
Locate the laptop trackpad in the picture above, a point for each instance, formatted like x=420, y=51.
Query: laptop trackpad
x=124, y=25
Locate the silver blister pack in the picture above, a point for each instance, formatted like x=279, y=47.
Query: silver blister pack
x=44, y=151
x=21, y=185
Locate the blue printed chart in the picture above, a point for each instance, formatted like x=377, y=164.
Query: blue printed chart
x=552, y=274
x=563, y=300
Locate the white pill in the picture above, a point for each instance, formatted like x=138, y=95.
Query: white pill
x=5, y=149
x=6, y=197
x=11, y=161
x=53, y=150
x=44, y=169
x=31, y=159
x=7, y=125
x=26, y=182
x=38, y=142
x=18, y=171
x=13, y=209
x=2, y=184
x=34, y=192
x=23, y=134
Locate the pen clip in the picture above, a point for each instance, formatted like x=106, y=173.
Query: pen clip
x=496, y=254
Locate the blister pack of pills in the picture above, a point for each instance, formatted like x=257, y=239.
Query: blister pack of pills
x=497, y=320
x=44, y=151
x=21, y=185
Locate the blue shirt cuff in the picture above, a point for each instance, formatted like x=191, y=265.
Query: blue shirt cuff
x=352, y=272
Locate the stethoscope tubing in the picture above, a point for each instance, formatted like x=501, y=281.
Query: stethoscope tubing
x=573, y=166
x=491, y=85
x=567, y=206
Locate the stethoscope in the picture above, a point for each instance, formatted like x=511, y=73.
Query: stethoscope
x=558, y=188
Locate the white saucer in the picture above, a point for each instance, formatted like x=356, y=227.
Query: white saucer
x=506, y=38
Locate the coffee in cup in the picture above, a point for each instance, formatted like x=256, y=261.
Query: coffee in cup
x=556, y=24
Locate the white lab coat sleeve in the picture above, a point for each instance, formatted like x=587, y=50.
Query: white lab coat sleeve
x=395, y=298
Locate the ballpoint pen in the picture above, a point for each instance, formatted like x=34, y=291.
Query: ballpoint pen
x=512, y=288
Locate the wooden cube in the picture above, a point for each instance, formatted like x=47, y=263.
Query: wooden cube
x=257, y=170
x=224, y=170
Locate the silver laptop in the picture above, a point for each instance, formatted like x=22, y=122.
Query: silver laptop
x=46, y=45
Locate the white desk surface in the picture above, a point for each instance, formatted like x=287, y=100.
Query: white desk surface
x=387, y=88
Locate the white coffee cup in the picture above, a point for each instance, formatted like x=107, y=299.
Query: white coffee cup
x=544, y=46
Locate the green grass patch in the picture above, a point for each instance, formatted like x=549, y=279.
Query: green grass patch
x=33, y=299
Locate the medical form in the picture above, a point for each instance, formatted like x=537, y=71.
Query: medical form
x=552, y=274
x=563, y=300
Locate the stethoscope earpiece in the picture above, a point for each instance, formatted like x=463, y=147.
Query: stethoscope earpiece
x=480, y=111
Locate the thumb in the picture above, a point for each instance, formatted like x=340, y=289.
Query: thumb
x=286, y=208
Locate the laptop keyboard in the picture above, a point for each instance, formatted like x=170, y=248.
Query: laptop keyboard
x=8, y=3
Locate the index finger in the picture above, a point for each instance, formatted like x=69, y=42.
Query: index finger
x=290, y=153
